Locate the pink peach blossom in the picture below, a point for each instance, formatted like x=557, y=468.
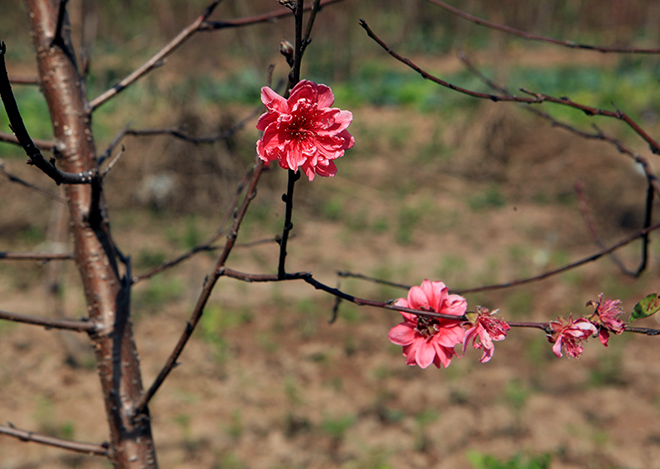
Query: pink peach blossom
x=606, y=318
x=569, y=334
x=427, y=340
x=485, y=328
x=304, y=131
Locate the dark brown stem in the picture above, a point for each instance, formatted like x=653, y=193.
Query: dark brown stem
x=537, y=98
x=288, y=224
x=78, y=447
x=534, y=37
x=307, y=277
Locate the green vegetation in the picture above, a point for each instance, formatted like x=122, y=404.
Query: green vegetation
x=486, y=461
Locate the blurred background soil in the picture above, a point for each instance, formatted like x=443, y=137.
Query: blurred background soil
x=438, y=186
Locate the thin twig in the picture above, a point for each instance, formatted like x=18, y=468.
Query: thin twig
x=156, y=60
x=13, y=178
x=16, y=80
x=36, y=256
x=49, y=323
x=264, y=18
x=200, y=24
x=206, y=246
x=307, y=37
x=207, y=289
x=534, y=37
x=27, y=436
x=536, y=98
x=573, y=265
x=178, y=133
x=47, y=145
x=584, y=209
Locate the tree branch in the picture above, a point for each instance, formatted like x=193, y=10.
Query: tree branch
x=13, y=178
x=49, y=323
x=86, y=448
x=36, y=256
x=586, y=260
x=200, y=24
x=537, y=98
x=207, y=289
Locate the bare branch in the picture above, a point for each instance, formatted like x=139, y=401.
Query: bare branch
x=307, y=277
x=36, y=256
x=47, y=145
x=16, y=80
x=207, y=246
x=209, y=284
x=155, y=61
x=200, y=24
x=573, y=265
x=86, y=448
x=13, y=178
x=49, y=323
x=536, y=98
x=534, y=37
x=584, y=209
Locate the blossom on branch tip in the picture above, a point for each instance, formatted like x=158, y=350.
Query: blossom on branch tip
x=426, y=339
x=606, y=318
x=569, y=334
x=485, y=329
x=304, y=131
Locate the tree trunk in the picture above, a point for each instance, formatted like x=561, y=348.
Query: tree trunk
x=107, y=293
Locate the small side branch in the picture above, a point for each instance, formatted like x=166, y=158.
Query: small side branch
x=47, y=145
x=155, y=61
x=16, y=80
x=13, y=178
x=207, y=289
x=534, y=37
x=309, y=278
x=49, y=323
x=586, y=260
x=79, y=447
x=36, y=256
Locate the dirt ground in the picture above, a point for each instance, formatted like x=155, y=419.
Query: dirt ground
x=266, y=382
